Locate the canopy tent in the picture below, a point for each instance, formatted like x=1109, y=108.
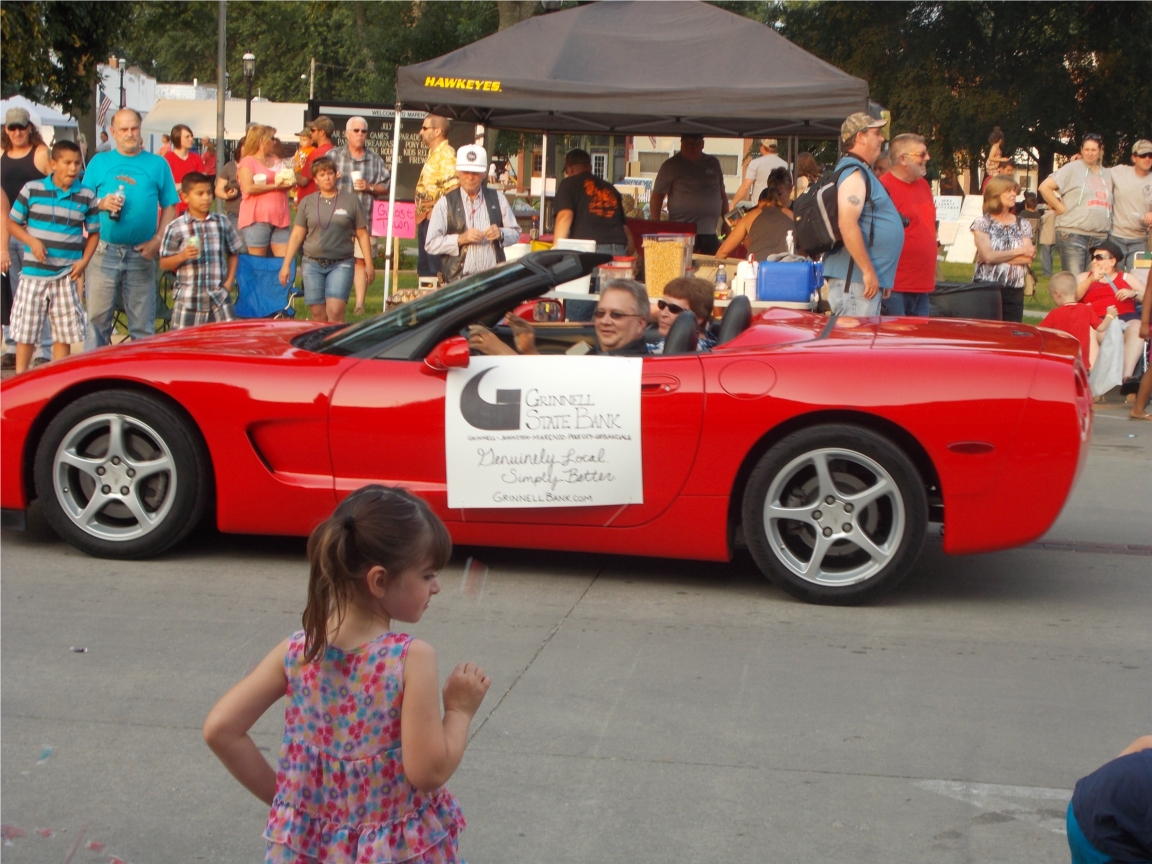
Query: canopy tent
x=200, y=116
x=40, y=115
x=653, y=68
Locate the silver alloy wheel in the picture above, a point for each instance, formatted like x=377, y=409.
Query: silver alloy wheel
x=114, y=477
x=834, y=517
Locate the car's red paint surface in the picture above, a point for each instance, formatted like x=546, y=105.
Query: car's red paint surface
x=995, y=417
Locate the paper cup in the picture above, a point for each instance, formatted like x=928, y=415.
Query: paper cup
x=259, y=178
x=357, y=176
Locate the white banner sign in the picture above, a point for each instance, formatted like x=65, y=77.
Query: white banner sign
x=544, y=432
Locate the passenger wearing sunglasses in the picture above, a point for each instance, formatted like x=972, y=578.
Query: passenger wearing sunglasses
x=1132, y=215
x=1103, y=286
x=685, y=294
x=1080, y=193
x=620, y=319
x=25, y=159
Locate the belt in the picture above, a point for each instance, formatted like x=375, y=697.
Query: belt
x=325, y=262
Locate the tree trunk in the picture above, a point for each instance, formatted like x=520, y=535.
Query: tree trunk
x=515, y=11
x=1044, y=163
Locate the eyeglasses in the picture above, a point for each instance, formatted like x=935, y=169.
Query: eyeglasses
x=358, y=131
x=671, y=307
x=1100, y=257
x=16, y=127
x=615, y=314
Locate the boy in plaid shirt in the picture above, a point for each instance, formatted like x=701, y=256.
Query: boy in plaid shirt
x=51, y=217
x=203, y=249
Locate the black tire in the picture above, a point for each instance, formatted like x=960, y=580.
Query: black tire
x=81, y=480
x=866, y=546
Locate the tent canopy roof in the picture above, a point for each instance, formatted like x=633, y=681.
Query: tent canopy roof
x=40, y=115
x=654, y=68
x=200, y=116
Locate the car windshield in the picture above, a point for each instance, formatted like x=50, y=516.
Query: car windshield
x=403, y=318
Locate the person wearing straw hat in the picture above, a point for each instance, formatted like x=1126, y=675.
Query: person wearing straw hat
x=471, y=225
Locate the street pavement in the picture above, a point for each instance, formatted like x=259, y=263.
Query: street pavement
x=641, y=711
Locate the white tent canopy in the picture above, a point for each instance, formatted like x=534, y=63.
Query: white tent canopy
x=200, y=116
x=40, y=115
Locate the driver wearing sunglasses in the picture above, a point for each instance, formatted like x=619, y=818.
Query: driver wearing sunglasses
x=620, y=319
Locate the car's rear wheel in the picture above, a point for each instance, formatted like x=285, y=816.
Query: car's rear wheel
x=120, y=475
x=835, y=514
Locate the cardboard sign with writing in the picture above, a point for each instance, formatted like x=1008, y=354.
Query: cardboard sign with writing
x=538, y=431
x=403, y=220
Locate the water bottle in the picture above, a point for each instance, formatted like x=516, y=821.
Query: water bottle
x=791, y=245
x=722, y=282
x=114, y=215
x=534, y=232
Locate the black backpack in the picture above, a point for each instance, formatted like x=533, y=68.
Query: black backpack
x=817, y=213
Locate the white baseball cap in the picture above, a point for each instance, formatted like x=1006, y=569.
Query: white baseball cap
x=472, y=157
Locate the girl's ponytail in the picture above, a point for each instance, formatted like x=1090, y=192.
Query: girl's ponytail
x=375, y=525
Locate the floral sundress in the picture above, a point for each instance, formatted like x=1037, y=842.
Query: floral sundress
x=341, y=793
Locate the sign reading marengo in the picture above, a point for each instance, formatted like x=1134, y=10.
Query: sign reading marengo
x=544, y=432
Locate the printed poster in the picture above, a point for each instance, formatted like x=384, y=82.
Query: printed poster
x=544, y=432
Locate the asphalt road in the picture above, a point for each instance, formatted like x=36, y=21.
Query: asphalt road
x=642, y=711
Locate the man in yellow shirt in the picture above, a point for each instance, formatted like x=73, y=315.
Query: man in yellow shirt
x=437, y=177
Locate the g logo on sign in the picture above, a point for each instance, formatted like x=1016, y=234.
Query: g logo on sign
x=504, y=413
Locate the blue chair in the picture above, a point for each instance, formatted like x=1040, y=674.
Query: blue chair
x=260, y=294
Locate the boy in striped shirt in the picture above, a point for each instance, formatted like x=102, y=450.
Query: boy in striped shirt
x=50, y=218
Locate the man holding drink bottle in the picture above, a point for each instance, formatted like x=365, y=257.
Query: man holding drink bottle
x=360, y=170
x=132, y=187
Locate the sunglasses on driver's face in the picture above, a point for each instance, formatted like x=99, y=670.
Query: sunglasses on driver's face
x=614, y=314
x=671, y=307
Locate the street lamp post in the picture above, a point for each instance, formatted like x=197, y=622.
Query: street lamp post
x=121, y=62
x=249, y=74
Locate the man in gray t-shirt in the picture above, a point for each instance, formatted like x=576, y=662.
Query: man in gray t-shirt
x=1132, y=210
x=1081, y=195
x=693, y=183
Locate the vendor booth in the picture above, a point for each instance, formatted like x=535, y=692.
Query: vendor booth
x=650, y=68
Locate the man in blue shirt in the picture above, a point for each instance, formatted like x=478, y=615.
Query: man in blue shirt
x=863, y=270
x=126, y=260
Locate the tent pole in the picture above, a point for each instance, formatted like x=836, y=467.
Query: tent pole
x=221, y=65
x=543, y=179
x=388, y=245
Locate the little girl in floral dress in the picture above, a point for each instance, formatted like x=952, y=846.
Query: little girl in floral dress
x=366, y=751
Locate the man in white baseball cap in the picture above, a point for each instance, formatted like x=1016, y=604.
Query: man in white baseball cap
x=470, y=226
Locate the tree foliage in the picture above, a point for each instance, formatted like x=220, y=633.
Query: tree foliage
x=52, y=48
x=1046, y=73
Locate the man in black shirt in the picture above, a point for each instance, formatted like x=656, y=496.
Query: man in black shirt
x=587, y=208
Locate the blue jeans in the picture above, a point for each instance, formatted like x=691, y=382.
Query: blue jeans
x=1073, y=249
x=908, y=304
x=120, y=271
x=1130, y=248
x=1046, y=259
x=331, y=280
x=852, y=302
x=15, y=268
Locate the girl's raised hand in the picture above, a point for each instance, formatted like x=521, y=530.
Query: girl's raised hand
x=465, y=689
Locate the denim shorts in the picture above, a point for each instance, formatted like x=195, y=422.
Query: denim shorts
x=261, y=234
x=327, y=280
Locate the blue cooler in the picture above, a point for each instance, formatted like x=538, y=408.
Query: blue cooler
x=789, y=281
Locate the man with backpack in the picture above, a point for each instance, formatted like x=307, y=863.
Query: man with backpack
x=867, y=233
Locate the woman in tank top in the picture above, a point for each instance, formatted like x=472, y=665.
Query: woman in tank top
x=764, y=231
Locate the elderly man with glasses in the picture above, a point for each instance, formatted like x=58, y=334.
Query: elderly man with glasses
x=1080, y=193
x=910, y=192
x=621, y=317
x=437, y=178
x=1132, y=213
x=360, y=171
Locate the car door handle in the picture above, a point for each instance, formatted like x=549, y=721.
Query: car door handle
x=659, y=384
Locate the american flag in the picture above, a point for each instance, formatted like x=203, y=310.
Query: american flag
x=102, y=109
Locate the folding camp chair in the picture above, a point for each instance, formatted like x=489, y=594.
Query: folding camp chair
x=163, y=306
x=260, y=293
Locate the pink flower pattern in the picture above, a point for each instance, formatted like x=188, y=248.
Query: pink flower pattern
x=341, y=793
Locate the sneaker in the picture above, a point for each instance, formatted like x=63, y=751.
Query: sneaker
x=8, y=361
x=40, y=361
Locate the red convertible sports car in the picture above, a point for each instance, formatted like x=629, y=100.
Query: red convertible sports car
x=824, y=445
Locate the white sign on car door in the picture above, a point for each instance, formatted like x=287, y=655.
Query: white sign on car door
x=546, y=431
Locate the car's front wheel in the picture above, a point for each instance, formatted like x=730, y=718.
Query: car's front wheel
x=120, y=475
x=835, y=514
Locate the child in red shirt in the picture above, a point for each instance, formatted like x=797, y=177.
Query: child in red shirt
x=1077, y=319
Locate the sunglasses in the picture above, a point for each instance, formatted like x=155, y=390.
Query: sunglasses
x=358, y=131
x=671, y=307
x=614, y=314
x=1102, y=257
x=1092, y=136
x=1138, y=155
x=16, y=127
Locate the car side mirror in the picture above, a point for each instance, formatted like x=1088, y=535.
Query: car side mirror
x=452, y=353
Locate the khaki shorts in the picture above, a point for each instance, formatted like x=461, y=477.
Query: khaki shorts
x=357, y=254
